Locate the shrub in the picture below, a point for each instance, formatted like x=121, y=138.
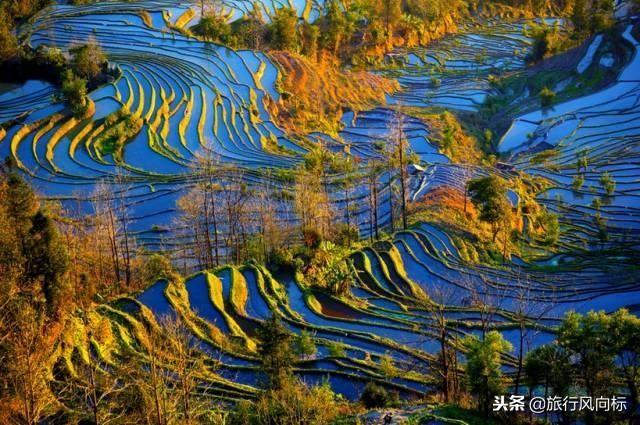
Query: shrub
x=88, y=60
x=51, y=58
x=283, y=33
x=387, y=367
x=330, y=270
x=213, y=28
x=157, y=266
x=8, y=42
x=312, y=238
x=305, y=346
x=74, y=91
x=547, y=96
x=546, y=41
x=249, y=30
x=374, y=396
x=578, y=181
x=344, y=235
x=551, y=226
x=336, y=349
x=281, y=257
x=608, y=184
x=294, y=403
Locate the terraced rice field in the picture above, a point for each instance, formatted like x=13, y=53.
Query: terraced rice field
x=454, y=72
x=600, y=131
x=385, y=316
x=195, y=97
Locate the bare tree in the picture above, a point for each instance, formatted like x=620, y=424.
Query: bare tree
x=348, y=168
x=267, y=210
x=467, y=173
x=397, y=161
x=235, y=197
x=27, y=362
x=375, y=168
x=441, y=297
x=107, y=226
x=529, y=311
x=312, y=202
x=174, y=376
x=96, y=390
x=127, y=243
x=483, y=296
x=209, y=167
x=190, y=222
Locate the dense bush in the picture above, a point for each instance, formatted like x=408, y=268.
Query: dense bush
x=8, y=42
x=295, y=403
x=74, y=91
x=249, y=31
x=213, y=28
x=88, y=60
x=329, y=268
x=484, y=367
x=345, y=234
x=374, y=396
x=157, y=266
x=283, y=33
x=547, y=96
x=547, y=40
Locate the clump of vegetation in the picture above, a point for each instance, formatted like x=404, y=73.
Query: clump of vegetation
x=88, y=60
x=213, y=28
x=315, y=94
x=336, y=349
x=282, y=31
x=8, y=41
x=74, y=92
x=452, y=137
x=376, y=396
x=120, y=127
x=591, y=16
x=488, y=194
x=547, y=40
x=294, y=403
x=547, y=96
x=330, y=269
x=551, y=227
x=590, y=353
x=544, y=156
x=607, y=183
x=305, y=345
x=484, y=367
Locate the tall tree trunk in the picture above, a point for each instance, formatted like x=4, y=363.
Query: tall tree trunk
x=520, y=356
x=375, y=208
x=389, y=185
x=207, y=233
x=370, y=211
x=445, y=362
x=215, y=228
x=348, y=214
x=403, y=183
x=115, y=255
